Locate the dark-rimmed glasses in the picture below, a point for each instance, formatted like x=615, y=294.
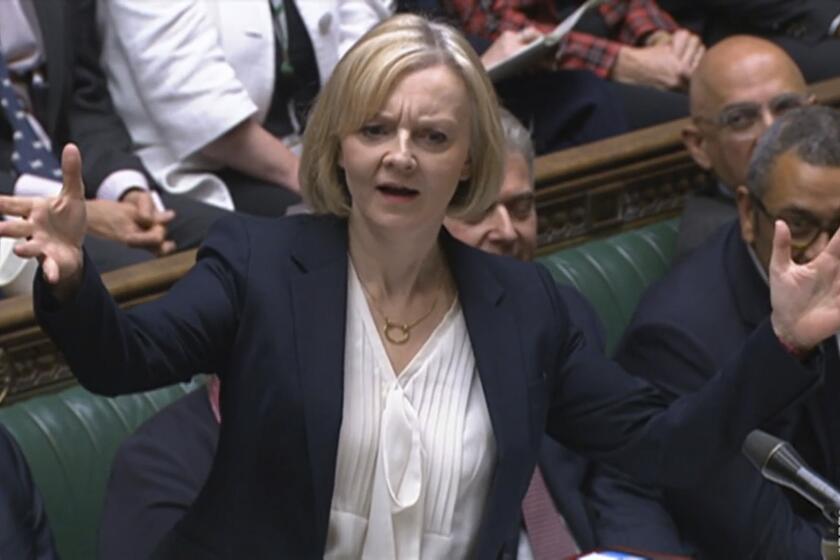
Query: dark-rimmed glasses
x=804, y=227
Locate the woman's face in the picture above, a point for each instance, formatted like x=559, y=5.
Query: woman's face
x=404, y=164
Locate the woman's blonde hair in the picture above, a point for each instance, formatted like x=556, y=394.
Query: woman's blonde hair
x=359, y=88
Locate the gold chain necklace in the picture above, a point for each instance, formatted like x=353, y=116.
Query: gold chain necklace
x=398, y=333
x=402, y=330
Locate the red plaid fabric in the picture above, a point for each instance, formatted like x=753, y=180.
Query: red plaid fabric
x=629, y=22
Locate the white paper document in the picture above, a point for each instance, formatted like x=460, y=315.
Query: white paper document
x=540, y=48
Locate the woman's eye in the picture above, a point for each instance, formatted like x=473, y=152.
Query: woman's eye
x=435, y=137
x=373, y=130
x=521, y=209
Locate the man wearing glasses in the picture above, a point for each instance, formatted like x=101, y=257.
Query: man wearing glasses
x=696, y=319
x=740, y=87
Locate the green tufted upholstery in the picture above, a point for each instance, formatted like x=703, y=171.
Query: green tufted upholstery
x=69, y=439
x=613, y=273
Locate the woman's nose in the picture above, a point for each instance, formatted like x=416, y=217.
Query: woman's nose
x=400, y=155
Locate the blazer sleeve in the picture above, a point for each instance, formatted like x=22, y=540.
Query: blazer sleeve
x=189, y=330
x=179, y=70
x=628, y=514
x=736, y=506
x=156, y=476
x=583, y=316
x=594, y=406
x=94, y=124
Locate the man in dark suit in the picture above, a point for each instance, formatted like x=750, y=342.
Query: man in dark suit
x=692, y=323
x=806, y=29
x=51, y=51
x=740, y=87
x=24, y=531
x=159, y=470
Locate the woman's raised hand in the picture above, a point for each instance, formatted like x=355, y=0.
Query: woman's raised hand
x=806, y=297
x=52, y=229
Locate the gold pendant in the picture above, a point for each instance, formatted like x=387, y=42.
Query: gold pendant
x=404, y=332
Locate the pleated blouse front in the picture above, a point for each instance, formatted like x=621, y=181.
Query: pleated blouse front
x=415, y=451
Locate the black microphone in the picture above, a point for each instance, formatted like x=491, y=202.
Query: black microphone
x=778, y=461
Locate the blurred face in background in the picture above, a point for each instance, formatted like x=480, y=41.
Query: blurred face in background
x=509, y=227
x=742, y=85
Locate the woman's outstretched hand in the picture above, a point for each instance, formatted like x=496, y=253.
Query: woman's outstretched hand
x=806, y=297
x=52, y=229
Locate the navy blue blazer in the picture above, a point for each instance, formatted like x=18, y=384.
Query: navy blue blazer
x=265, y=308
x=686, y=328
x=159, y=470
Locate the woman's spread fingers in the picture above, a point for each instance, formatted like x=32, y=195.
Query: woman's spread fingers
x=16, y=205
x=29, y=249
x=16, y=228
x=50, y=268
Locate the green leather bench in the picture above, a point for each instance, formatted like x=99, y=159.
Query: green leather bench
x=70, y=437
x=613, y=273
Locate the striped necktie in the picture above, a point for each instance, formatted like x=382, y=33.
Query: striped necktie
x=29, y=154
x=548, y=533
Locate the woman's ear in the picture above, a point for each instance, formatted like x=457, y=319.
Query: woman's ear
x=466, y=170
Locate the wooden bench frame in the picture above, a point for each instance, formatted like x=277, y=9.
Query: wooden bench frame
x=29, y=362
x=586, y=192
x=622, y=182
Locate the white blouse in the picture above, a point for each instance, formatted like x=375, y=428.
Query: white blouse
x=416, y=451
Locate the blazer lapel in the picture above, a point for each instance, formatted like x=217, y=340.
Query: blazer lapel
x=51, y=16
x=319, y=289
x=489, y=317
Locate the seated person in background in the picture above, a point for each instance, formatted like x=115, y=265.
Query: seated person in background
x=695, y=321
x=510, y=228
x=312, y=323
x=159, y=470
x=742, y=85
x=52, y=91
x=24, y=531
x=561, y=108
x=806, y=29
x=215, y=94
x=628, y=43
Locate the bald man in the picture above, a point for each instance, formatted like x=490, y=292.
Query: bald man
x=740, y=87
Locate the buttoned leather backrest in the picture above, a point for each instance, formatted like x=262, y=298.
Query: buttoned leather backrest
x=614, y=272
x=69, y=439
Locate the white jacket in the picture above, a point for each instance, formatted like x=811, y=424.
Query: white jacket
x=184, y=72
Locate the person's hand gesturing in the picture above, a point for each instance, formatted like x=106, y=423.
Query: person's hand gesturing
x=52, y=229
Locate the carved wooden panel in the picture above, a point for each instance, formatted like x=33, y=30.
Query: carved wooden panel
x=30, y=364
x=584, y=192
x=622, y=182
